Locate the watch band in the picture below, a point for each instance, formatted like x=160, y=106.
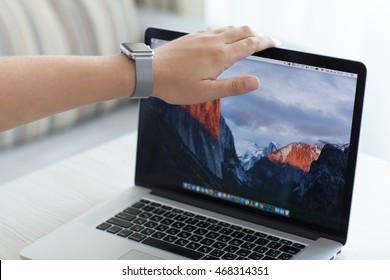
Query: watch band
x=144, y=78
x=143, y=60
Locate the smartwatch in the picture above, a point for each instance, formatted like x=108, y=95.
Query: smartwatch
x=143, y=60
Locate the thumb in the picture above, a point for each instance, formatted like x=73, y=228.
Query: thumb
x=237, y=85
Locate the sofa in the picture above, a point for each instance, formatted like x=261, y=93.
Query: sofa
x=63, y=27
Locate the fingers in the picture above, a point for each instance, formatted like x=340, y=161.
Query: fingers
x=216, y=30
x=249, y=36
x=232, y=35
x=243, y=41
x=250, y=45
x=233, y=86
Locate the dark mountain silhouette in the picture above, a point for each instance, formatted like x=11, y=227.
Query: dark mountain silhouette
x=322, y=189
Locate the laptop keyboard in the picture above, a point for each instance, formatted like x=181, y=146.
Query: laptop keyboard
x=196, y=236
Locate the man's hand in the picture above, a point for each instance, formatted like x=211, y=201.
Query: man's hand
x=186, y=69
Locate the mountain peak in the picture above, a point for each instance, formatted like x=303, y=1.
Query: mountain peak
x=298, y=155
x=250, y=152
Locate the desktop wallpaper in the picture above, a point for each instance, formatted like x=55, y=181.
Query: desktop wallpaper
x=285, y=144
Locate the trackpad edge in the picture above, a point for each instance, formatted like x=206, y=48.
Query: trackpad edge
x=138, y=255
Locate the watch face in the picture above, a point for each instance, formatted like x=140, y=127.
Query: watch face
x=137, y=47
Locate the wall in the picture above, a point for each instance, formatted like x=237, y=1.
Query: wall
x=356, y=30
x=188, y=8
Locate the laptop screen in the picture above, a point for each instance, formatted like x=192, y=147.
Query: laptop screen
x=281, y=151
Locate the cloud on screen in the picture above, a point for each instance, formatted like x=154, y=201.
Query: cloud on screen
x=291, y=105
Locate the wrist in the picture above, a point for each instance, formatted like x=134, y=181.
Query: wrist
x=125, y=73
x=142, y=57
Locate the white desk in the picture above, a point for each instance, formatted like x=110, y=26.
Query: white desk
x=34, y=205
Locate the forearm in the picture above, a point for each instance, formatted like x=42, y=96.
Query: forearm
x=34, y=87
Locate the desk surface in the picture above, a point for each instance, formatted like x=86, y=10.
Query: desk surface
x=35, y=204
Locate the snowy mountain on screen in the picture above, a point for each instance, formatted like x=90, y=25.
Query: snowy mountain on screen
x=249, y=152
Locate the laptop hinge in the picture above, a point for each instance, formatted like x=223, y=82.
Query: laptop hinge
x=237, y=213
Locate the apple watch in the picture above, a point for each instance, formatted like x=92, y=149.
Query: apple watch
x=143, y=60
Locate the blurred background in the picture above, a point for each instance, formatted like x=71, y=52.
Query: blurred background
x=356, y=30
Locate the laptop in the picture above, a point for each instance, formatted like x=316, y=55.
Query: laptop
x=265, y=175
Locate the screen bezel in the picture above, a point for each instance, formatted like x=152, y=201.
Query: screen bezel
x=258, y=216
